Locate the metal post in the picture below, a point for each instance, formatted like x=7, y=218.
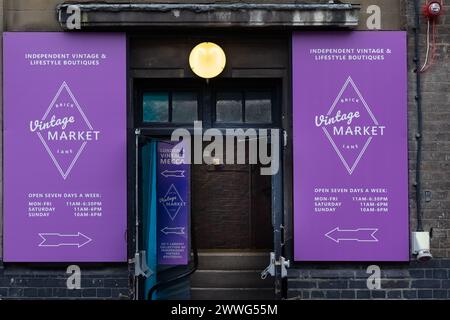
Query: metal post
x=277, y=219
x=136, y=211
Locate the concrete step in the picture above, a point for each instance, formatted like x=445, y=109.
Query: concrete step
x=232, y=294
x=230, y=279
x=233, y=260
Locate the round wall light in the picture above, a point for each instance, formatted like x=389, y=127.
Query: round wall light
x=207, y=60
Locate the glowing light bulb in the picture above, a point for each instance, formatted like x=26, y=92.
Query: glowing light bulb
x=207, y=60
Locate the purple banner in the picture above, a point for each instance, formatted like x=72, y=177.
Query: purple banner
x=173, y=189
x=350, y=146
x=64, y=147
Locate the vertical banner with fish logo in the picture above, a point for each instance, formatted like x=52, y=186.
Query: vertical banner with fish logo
x=173, y=194
x=64, y=147
x=350, y=146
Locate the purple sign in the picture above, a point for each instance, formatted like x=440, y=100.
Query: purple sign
x=64, y=147
x=173, y=194
x=350, y=146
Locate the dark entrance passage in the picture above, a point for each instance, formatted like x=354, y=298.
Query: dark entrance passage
x=232, y=207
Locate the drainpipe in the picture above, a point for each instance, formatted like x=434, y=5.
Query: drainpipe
x=418, y=98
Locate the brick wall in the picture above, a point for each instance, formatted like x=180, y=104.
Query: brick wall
x=430, y=280
x=22, y=282
x=436, y=136
x=414, y=280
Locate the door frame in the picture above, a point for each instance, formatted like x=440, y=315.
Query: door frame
x=282, y=216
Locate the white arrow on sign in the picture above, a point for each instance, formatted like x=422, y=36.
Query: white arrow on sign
x=359, y=235
x=167, y=230
x=174, y=173
x=58, y=239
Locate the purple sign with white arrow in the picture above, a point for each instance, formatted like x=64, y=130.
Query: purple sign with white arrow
x=173, y=194
x=350, y=146
x=64, y=147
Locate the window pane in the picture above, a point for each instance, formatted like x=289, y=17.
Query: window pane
x=229, y=107
x=184, y=107
x=156, y=107
x=258, y=107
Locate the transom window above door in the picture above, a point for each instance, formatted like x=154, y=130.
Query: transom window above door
x=220, y=103
x=170, y=106
x=244, y=107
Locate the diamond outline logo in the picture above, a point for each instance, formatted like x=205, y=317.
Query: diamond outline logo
x=369, y=140
x=64, y=174
x=172, y=189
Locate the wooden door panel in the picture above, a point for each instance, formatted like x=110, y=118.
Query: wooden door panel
x=232, y=207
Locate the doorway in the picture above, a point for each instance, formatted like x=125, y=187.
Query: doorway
x=230, y=203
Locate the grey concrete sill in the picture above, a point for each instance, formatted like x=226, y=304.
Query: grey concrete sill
x=247, y=15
